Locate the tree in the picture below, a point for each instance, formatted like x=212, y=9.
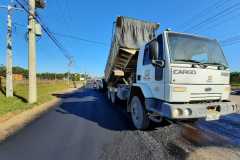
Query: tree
x=16, y=70
x=235, y=77
x=2, y=71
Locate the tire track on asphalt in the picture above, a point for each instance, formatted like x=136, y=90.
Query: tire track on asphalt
x=159, y=147
x=232, y=119
x=206, y=134
x=222, y=129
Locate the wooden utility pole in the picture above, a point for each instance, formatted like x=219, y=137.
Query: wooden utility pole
x=32, y=89
x=9, y=54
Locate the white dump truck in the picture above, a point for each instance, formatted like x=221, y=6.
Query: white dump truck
x=172, y=75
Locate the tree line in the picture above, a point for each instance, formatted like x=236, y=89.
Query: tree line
x=235, y=77
x=16, y=70
x=46, y=75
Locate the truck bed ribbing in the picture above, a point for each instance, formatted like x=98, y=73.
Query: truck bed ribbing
x=130, y=34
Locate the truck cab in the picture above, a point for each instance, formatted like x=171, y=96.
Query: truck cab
x=183, y=76
x=173, y=75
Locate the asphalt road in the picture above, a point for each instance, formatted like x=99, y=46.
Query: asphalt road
x=87, y=126
x=77, y=129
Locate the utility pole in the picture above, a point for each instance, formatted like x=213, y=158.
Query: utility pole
x=32, y=88
x=9, y=54
x=69, y=73
x=70, y=64
x=68, y=78
x=9, y=63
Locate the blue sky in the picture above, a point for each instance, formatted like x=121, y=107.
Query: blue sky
x=93, y=20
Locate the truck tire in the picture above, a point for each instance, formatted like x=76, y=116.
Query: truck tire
x=113, y=97
x=109, y=95
x=138, y=113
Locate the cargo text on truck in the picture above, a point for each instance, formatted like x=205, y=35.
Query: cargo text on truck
x=172, y=75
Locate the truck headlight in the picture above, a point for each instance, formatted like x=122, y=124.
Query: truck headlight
x=179, y=89
x=177, y=112
x=187, y=112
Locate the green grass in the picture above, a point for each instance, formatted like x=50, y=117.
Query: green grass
x=19, y=103
x=235, y=86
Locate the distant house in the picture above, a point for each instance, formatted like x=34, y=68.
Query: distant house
x=18, y=77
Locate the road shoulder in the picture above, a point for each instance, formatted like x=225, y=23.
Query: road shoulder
x=18, y=122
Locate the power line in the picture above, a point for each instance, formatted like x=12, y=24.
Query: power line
x=46, y=30
x=72, y=37
x=219, y=23
x=215, y=17
x=79, y=38
x=204, y=12
x=230, y=41
x=223, y=13
x=230, y=44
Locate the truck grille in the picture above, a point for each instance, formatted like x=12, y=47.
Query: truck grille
x=205, y=96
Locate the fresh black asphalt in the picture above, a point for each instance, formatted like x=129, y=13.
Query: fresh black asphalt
x=79, y=128
x=87, y=127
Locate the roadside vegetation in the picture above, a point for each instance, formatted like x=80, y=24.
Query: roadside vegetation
x=18, y=103
x=235, y=80
x=48, y=83
x=43, y=76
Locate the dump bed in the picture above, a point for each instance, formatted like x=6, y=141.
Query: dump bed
x=129, y=35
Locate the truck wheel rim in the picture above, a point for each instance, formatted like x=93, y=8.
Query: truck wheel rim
x=136, y=112
x=108, y=95
x=113, y=98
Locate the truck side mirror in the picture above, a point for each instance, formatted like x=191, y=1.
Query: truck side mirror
x=153, y=49
x=158, y=63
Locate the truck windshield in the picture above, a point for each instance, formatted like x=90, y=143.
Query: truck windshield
x=192, y=49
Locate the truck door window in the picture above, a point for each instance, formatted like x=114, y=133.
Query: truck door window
x=158, y=70
x=146, y=56
x=160, y=46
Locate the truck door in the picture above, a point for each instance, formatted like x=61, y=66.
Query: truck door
x=151, y=74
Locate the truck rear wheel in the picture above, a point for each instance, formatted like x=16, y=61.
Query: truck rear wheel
x=108, y=95
x=139, y=114
x=113, y=97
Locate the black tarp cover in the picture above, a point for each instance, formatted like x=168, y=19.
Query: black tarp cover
x=131, y=34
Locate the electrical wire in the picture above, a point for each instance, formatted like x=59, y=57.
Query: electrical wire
x=223, y=13
x=230, y=41
x=220, y=23
x=72, y=37
x=50, y=35
x=80, y=39
x=204, y=12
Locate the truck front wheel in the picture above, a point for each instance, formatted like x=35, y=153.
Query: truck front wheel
x=108, y=95
x=139, y=114
x=113, y=97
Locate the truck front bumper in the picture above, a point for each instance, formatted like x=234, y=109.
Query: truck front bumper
x=190, y=110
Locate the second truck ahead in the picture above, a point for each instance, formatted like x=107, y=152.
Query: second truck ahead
x=172, y=75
